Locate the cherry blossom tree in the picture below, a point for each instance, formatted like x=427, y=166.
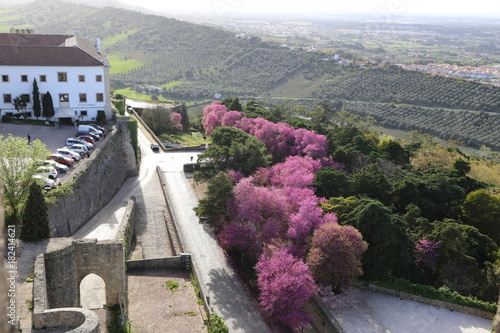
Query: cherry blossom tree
x=175, y=120
x=285, y=284
x=212, y=116
x=426, y=252
x=335, y=255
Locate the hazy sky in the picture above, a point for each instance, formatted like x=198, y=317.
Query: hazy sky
x=490, y=8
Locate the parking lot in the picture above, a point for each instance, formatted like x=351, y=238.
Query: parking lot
x=52, y=137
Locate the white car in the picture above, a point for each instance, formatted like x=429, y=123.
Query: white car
x=78, y=141
x=79, y=148
x=68, y=153
x=58, y=166
x=46, y=183
x=47, y=171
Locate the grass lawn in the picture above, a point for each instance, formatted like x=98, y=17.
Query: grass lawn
x=130, y=93
x=188, y=138
x=119, y=66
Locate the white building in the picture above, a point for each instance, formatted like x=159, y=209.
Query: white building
x=75, y=72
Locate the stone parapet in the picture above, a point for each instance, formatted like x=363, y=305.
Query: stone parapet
x=74, y=320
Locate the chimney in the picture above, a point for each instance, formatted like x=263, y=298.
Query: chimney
x=98, y=45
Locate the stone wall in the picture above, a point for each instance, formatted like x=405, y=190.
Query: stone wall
x=183, y=261
x=73, y=320
x=96, y=182
x=126, y=232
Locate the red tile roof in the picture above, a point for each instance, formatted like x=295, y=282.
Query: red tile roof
x=47, y=50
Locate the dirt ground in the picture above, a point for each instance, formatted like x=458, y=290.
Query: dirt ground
x=153, y=307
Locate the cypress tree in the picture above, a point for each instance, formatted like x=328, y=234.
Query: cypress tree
x=36, y=100
x=35, y=217
x=48, y=106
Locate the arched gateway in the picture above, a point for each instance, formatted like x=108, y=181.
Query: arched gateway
x=66, y=268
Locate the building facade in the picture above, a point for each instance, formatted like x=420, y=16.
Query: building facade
x=74, y=71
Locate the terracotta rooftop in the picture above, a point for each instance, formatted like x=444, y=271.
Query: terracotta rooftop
x=47, y=50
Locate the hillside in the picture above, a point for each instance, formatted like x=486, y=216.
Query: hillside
x=173, y=59
x=156, y=50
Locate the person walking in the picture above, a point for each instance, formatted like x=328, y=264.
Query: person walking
x=29, y=138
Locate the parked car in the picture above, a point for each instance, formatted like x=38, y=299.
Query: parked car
x=94, y=136
x=90, y=129
x=62, y=159
x=68, y=153
x=46, y=183
x=80, y=149
x=47, y=171
x=86, y=138
x=98, y=128
x=155, y=147
x=77, y=141
x=58, y=166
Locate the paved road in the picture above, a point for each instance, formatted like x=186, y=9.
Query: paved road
x=227, y=296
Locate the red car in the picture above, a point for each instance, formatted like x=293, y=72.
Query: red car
x=87, y=138
x=61, y=159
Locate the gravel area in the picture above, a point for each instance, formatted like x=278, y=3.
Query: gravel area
x=365, y=311
x=155, y=308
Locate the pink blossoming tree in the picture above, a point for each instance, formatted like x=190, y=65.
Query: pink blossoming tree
x=335, y=255
x=285, y=284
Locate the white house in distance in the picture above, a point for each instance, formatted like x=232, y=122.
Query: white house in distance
x=74, y=71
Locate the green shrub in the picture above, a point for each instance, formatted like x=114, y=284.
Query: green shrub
x=101, y=118
x=216, y=324
x=120, y=106
x=443, y=294
x=133, y=127
x=6, y=118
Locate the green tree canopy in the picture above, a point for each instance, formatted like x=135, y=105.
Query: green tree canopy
x=390, y=247
x=17, y=166
x=213, y=205
x=482, y=210
x=232, y=149
x=331, y=182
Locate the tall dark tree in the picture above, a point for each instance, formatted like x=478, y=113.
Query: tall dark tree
x=390, y=247
x=35, y=218
x=48, y=106
x=37, y=108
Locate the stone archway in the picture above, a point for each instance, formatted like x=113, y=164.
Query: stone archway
x=92, y=292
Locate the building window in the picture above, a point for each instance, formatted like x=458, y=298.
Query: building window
x=26, y=97
x=81, y=78
x=99, y=97
x=62, y=77
x=83, y=98
x=98, y=78
x=63, y=98
x=24, y=78
x=7, y=98
x=83, y=113
x=43, y=78
x=28, y=114
x=5, y=78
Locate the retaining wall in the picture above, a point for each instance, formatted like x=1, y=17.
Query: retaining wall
x=126, y=231
x=96, y=180
x=183, y=261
